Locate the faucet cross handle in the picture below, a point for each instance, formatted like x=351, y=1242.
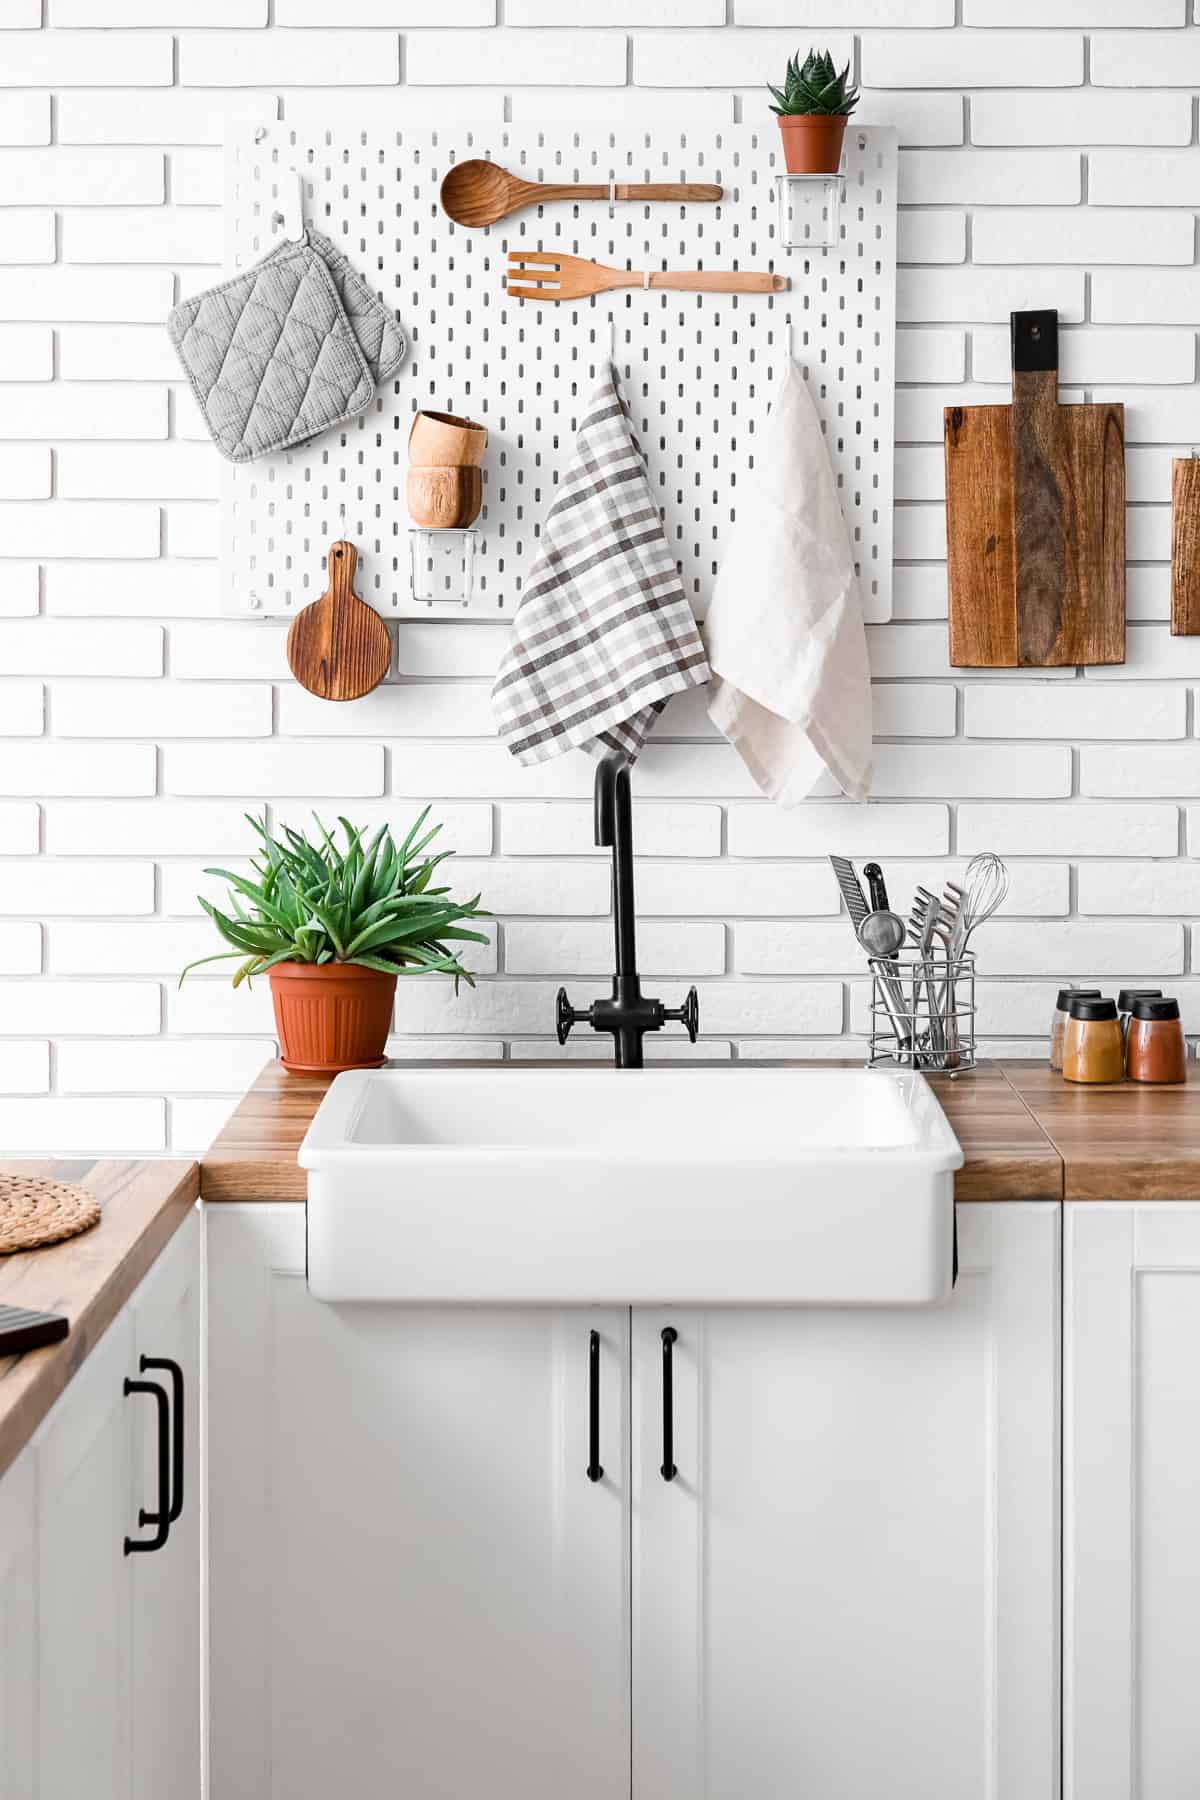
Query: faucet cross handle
x=566, y=1015
x=687, y=1015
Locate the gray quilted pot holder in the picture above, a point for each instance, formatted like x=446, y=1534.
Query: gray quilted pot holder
x=273, y=355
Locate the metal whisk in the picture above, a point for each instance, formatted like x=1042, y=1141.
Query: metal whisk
x=985, y=884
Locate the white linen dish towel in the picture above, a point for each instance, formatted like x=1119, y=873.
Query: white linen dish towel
x=791, y=685
x=604, y=633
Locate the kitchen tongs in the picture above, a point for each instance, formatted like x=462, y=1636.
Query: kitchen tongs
x=548, y=275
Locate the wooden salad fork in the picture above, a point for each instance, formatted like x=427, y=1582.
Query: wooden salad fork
x=549, y=275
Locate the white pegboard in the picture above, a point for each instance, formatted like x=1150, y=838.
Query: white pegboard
x=698, y=370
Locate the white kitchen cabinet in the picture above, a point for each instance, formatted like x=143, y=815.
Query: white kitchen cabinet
x=18, y=1617
x=1131, y=1501
x=850, y=1588
x=415, y=1588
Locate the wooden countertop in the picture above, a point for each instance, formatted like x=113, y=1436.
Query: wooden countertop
x=89, y=1278
x=1129, y=1142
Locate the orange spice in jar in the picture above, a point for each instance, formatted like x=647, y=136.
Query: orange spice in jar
x=1058, y=1023
x=1155, y=1050
x=1092, y=1050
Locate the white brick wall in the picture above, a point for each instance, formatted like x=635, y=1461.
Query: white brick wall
x=1049, y=157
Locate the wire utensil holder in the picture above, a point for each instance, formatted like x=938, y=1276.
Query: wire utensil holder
x=923, y=1013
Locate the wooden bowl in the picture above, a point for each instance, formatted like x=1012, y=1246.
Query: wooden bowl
x=444, y=499
x=444, y=441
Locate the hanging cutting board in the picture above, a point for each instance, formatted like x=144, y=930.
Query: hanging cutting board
x=1035, y=520
x=339, y=647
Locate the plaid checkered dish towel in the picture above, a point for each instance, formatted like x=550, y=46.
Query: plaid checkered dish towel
x=604, y=634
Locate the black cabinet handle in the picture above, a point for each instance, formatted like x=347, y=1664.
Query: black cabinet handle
x=159, y=1519
x=669, y=1471
x=594, y=1470
x=172, y=1368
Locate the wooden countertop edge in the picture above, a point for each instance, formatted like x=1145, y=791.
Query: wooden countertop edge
x=89, y=1277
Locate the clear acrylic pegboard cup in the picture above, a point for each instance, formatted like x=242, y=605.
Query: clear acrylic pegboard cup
x=810, y=211
x=923, y=1013
x=443, y=565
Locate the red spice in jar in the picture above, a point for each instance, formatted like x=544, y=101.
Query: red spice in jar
x=1155, y=1050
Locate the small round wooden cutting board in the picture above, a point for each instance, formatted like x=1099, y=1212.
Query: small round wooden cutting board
x=338, y=648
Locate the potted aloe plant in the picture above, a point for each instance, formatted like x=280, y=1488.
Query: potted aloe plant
x=333, y=928
x=812, y=107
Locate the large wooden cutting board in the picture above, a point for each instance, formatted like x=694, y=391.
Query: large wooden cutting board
x=1035, y=520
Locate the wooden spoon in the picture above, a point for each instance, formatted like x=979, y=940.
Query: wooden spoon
x=481, y=192
x=338, y=648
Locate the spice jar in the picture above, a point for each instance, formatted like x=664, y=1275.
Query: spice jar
x=1155, y=1049
x=1092, y=1043
x=1058, y=1024
x=1125, y=1000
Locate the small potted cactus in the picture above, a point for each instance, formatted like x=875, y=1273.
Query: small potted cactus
x=812, y=108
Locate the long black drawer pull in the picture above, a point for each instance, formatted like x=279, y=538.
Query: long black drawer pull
x=159, y=1519
x=669, y=1471
x=594, y=1470
x=172, y=1368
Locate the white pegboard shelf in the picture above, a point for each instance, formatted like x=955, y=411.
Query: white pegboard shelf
x=698, y=370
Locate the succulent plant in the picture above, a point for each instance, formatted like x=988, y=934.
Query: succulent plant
x=815, y=87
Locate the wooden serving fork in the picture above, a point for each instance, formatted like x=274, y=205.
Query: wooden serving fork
x=549, y=275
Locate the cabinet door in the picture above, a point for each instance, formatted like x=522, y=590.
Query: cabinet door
x=18, y=1620
x=415, y=1588
x=85, y=1508
x=166, y=1643
x=851, y=1586
x=1132, y=1501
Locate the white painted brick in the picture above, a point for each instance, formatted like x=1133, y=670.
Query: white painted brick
x=86, y=59
x=920, y=533
x=161, y=12
x=197, y=179
x=404, y=105
x=1147, y=534
x=920, y=472
x=1087, y=355
x=161, y=709
x=1076, y=830
x=518, y=58
x=131, y=473
x=82, y=1127
x=796, y=14
x=194, y=1124
x=25, y=472
x=791, y=1049
x=721, y=58
x=1139, y=59
x=19, y=591
x=444, y=648
x=788, y=949
x=19, y=828
x=158, y=947
x=180, y=884
x=920, y=412
x=1147, y=591
x=24, y=118
x=97, y=295
x=143, y=234
x=930, y=355
x=920, y=119
x=611, y=106
x=1083, y=116
x=972, y=59
x=919, y=593
x=173, y=1065
x=551, y=948
x=81, y=410
x=41, y=769
x=1076, y=709
x=733, y=889
x=1135, y=771
x=25, y=1066
x=1036, y=889
x=1146, y=296
x=387, y=12
x=665, y=1046
x=140, y=590
x=431, y=1005
x=562, y=829
x=1148, y=474
x=52, y=889
x=1083, y=235
x=80, y=1008
x=145, y=828
x=934, y=295
x=22, y=708
x=932, y=237
x=838, y=827
x=433, y=709
x=914, y=711
x=167, y=116
x=991, y=177
x=674, y=13
x=1165, y=417
x=209, y=651
x=1064, y=950
x=28, y=236
x=547, y=888
x=216, y=1006
x=1143, y=177
x=187, y=419
x=26, y=353
x=83, y=177
x=466, y=769
x=1151, y=652
x=804, y=1006
x=21, y=945
x=115, y=353
x=916, y=771
x=466, y=826
x=191, y=530
x=298, y=58
x=1139, y=887
x=54, y=647
x=252, y=770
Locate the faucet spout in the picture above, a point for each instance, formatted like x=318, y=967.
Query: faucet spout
x=614, y=830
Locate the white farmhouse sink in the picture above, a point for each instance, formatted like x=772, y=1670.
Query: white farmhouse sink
x=709, y=1186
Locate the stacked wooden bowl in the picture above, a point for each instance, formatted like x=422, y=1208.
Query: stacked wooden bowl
x=444, y=490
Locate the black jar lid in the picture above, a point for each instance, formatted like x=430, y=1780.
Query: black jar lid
x=1089, y=1006
x=1127, y=996
x=1148, y=1006
x=1066, y=995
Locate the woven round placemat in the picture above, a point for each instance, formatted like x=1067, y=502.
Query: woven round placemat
x=35, y=1210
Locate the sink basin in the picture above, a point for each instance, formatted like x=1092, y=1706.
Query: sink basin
x=739, y=1185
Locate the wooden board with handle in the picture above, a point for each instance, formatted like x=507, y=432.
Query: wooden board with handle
x=338, y=647
x=1035, y=520
x=1185, y=546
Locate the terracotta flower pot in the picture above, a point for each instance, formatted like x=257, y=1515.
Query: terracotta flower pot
x=812, y=142
x=444, y=499
x=331, y=1016
x=444, y=441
